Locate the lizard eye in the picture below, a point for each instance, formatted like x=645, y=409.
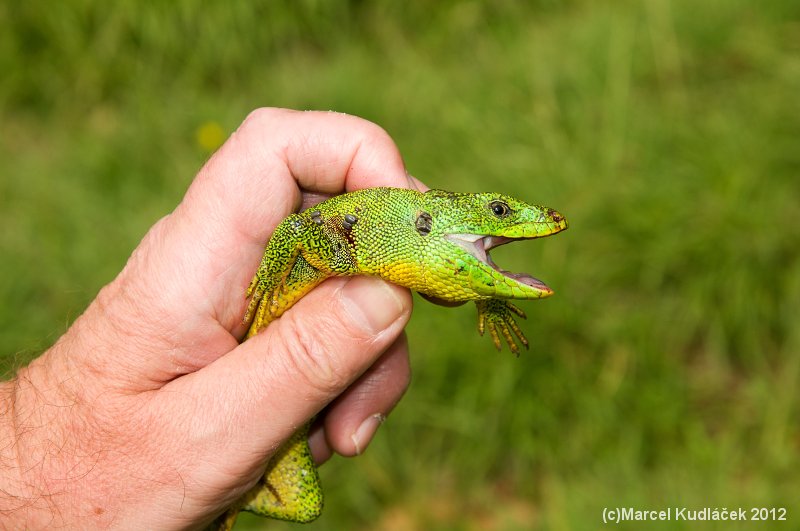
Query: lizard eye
x=500, y=209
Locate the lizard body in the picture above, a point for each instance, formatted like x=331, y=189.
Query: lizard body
x=435, y=242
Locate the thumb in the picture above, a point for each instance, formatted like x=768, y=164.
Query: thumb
x=278, y=379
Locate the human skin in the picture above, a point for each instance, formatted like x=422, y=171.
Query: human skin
x=148, y=412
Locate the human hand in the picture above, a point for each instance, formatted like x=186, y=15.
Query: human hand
x=148, y=411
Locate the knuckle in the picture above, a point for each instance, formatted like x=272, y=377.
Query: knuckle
x=259, y=116
x=312, y=359
x=373, y=134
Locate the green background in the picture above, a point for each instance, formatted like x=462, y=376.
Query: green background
x=662, y=374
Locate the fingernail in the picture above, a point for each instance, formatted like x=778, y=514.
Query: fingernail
x=363, y=435
x=414, y=183
x=371, y=302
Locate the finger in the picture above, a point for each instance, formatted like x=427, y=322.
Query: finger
x=320, y=448
x=310, y=199
x=259, y=171
x=416, y=184
x=261, y=392
x=353, y=418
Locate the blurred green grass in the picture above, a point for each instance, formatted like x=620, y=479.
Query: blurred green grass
x=664, y=371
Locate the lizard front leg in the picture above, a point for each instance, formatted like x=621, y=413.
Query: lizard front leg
x=285, y=274
x=498, y=316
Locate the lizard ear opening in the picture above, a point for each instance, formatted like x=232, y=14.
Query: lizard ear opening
x=423, y=223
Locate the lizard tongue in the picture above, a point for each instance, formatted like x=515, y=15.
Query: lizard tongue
x=479, y=246
x=489, y=242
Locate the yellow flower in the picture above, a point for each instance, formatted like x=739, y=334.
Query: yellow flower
x=210, y=136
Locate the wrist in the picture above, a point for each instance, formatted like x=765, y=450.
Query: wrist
x=72, y=451
x=45, y=459
x=26, y=455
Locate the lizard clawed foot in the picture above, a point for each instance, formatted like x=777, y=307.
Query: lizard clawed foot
x=498, y=316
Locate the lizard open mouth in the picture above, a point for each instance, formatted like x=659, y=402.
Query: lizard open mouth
x=479, y=246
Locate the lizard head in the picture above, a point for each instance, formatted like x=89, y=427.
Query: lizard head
x=473, y=224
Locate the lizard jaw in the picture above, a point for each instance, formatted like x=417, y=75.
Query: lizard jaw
x=479, y=246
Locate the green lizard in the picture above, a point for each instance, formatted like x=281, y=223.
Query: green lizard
x=435, y=243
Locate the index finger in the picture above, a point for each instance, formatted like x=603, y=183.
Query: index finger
x=259, y=173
